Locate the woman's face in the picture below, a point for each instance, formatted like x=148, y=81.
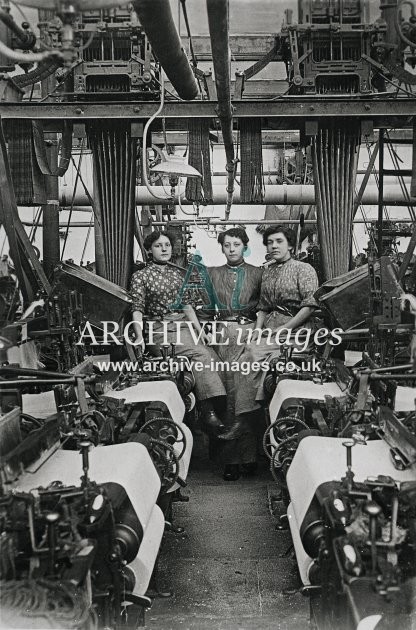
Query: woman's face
x=233, y=248
x=161, y=249
x=278, y=247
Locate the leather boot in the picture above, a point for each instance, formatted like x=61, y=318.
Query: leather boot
x=211, y=421
x=240, y=426
x=231, y=472
x=249, y=468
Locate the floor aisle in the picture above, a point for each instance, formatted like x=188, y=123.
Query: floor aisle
x=226, y=570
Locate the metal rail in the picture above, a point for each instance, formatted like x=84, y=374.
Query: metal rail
x=384, y=112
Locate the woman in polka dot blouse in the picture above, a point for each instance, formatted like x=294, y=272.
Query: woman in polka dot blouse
x=155, y=290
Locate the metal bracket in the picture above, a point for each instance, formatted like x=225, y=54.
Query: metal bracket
x=239, y=86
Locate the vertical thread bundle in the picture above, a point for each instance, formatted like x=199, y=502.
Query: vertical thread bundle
x=114, y=163
x=252, y=185
x=28, y=181
x=335, y=158
x=197, y=189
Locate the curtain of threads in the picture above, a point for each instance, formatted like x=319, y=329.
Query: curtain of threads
x=114, y=163
x=335, y=157
x=197, y=189
x=252, y=185
x=28, y=181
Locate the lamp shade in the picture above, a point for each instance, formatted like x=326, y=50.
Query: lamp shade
x=176, y=166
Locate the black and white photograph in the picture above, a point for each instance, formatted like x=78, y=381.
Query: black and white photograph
x=208, y=315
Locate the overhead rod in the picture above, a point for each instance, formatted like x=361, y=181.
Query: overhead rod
x=280, y=194
x=208, y=220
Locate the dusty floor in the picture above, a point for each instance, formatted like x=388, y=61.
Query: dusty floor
x=227, y=569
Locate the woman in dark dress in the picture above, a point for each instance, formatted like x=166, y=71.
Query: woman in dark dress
x=286, y=301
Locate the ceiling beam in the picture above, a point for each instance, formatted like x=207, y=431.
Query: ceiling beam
x=290, y=111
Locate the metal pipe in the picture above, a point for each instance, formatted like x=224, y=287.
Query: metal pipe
x=29, y=57
x=380, y=193
x=209, y=221
x=72, y=380
x=281, y=194
x=156, y=18
x=50, y=234
x=218, y=22
x=27, y=39
x=267, y=173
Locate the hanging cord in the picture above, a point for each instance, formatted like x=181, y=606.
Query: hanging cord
x=87, y=238
x=395, y=159
x=188, y=32
x=144, y=145
x=181, y=208
x=165, y=139
x=367, y=222
x=175, y=96
x=77, y=176
x=376, y=178
x=35, y=224
x=355, y=243
x=90, y=199
x=139, y=235
x=237, y=158
x=191, y=46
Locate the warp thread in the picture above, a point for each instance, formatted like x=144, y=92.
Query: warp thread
x=114, y=161
x=335, y=157
x=28, y=181
x=252, y=183
x=199, y=189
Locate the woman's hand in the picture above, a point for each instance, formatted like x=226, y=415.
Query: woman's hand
x=256, y=335
x=279, y=328
x=137, y=318
x=139, y=344
x=206, y=338
x=412, y=350
x=284, y=338
x=408, y=298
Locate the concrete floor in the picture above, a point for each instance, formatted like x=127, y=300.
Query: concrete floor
x=226, y=569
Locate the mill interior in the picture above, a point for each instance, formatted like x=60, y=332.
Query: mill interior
x=216, y=182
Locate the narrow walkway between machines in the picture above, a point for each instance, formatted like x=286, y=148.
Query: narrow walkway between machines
x=226, y=569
